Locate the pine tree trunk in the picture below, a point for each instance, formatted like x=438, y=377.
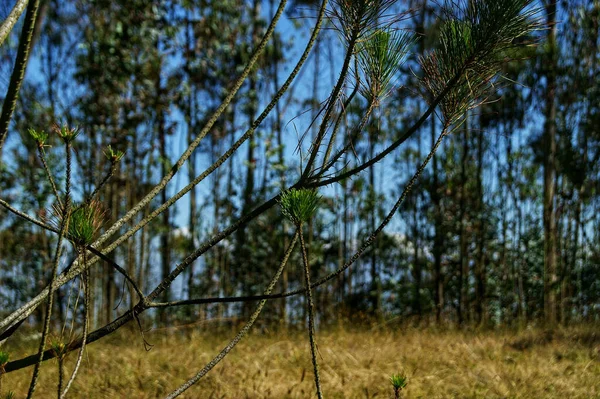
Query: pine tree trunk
x=480, y=278
x=375, y=283
x=463, y=254
x=550, y=249
x=165, y=250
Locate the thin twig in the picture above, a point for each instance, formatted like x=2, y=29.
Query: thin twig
x=311, y=318
x=63, y=229
x=338, y=121
x=111, y=172
x=119, y=269
x=90, y=248
x=332, y=102
x=61, y=375
x=86, y=306
x=351, y=141
x=42, y=156
x=243, y=331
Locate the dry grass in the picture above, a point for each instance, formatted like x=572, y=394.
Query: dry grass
x=355, y=364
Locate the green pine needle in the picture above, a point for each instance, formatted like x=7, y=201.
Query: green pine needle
x=4, y=357
x=380, y=56
x=473, y=44
x=299, y=205
x=58, y=347
x=357, y=17
x=399, y=381
x=84, y=223
x=66, y=133
x=112, y=154
x=40, y=137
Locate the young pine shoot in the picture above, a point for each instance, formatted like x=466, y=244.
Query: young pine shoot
x=380, y=56
x=399, y=382
x=59, y=349
x=85, y=221
x=299, y=206
x=66, y=133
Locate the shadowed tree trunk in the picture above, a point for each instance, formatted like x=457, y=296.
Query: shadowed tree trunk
x=549, y=142
x=480, y=272
x=463, y=265
x=165, y=250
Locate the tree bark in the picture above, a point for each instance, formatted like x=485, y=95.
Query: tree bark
x=549, y=137
x=463, y=254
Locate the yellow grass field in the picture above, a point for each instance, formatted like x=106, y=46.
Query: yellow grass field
x=563, y=363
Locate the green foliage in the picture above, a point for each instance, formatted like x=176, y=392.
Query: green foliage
x=64, y=132
x=380, y=56
x=4, y=357
x=40, y=137
x=113, y=155
x=399, y=381
x=474, y=42
x=84, y=222
x=299, y=205
x=58, y=347
x=357, y=17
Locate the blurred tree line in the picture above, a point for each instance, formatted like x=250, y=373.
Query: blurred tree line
x=502, y=228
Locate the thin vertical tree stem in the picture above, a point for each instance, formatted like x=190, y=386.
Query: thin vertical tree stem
x=42, y=156
x=63, y=229
x=86, y=304
x=61, y=375
x=311, y=320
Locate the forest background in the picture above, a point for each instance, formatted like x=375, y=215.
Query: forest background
x=501, y=229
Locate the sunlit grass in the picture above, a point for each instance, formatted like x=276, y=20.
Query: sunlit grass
x=354, y=364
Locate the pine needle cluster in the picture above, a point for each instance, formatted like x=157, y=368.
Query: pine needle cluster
x=399, y=381
x=66, y=133
x=474, y=41
x=299, y=205
x=380, y=56
x=40, y=136
x=113, y=155
x=4, y=357
x=358, y=17
x=85, y=221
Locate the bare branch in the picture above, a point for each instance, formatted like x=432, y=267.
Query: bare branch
x=9, y=23
x=18, y=73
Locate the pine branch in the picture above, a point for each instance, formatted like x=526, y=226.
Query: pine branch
x=86, y=310
x=18, y=73
x=42, y=156
x=9, y=23
x=64, y=226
